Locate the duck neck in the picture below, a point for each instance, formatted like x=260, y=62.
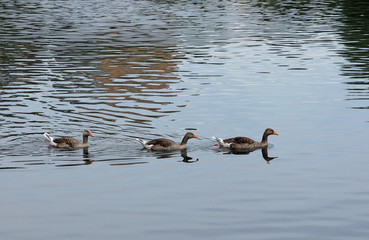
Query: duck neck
x=265, y=138
x=85, y=138
x=184, y=140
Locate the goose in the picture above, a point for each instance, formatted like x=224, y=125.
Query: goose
x=245, y=143
x=163, y=144
x=69, y=142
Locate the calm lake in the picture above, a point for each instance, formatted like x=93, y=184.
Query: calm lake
x=157, y=68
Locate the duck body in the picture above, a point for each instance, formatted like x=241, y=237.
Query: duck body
x=163, y=144
x=245, y=143
x=69, y=142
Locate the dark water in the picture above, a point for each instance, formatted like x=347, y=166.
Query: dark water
x=149, y=69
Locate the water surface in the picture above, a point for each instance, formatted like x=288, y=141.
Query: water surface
x=149, y=69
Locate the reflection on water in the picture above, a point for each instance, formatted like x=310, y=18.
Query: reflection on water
x=171, y=154
x=266, y=157
x=355, y=19
x=85, y=162
x=141, y=76
x=186, y=158
x=264, y=152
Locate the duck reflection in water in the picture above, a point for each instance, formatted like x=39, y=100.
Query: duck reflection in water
x=86, y=160
x=186, y=158
x=264, y=152
x=86, y=156
x=172, y=154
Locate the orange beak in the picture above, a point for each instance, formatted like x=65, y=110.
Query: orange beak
x=91, y=134
x=275, y=133
x=195, y=136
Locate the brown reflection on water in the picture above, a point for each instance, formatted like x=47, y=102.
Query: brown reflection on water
x=140, y=78
x=143, y=73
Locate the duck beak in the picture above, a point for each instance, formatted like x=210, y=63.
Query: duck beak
x=274, y=132
x=91, y=134
x=195, y=136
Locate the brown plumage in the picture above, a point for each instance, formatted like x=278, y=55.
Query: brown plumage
x=163, y=144
x=69, y=142
x=245, y=143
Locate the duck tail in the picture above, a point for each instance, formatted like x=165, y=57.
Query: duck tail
x=51, y=139
x=220, y=141
x=143, y=142
x=47, y=135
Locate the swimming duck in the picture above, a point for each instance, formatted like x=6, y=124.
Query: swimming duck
x=245, y=143
x=69, y=142
x=163, y=144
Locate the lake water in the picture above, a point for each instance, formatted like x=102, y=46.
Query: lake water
x=149, y=69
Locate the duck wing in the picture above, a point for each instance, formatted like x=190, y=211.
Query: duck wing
x=68, y=141
x=243, y=140
x=229, y=140
x=162, y=142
